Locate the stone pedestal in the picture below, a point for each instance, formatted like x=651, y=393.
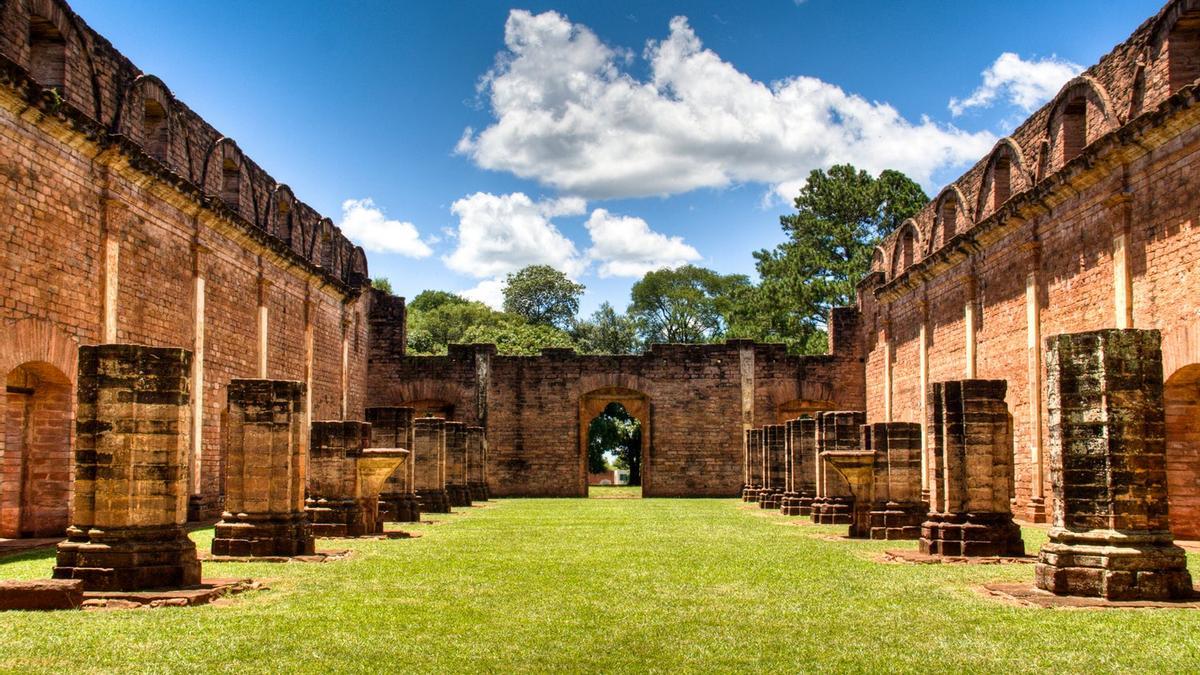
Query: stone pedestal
x=133, y=434
x=429, y=472
x=754, y=450
x=774, y=466
x=392, y=427
x=477, y=464
x=1110, y=535
x=972, y=471
x=835, y=432
x=858, y=468
x=897, y=510
x=345, y=478
x=800, y=454
x=457, y=490
x=266, y=447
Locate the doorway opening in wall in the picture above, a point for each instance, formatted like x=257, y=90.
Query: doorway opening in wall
x=35, y=452
x=614, y=437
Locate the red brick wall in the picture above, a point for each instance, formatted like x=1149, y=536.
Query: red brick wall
x=1138, y=174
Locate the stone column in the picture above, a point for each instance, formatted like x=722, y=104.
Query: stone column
x=1110, y=535
x=836, y=431
x=971, y=453
x=1036, y=511
x=429, y=443
x=969, y=290
x=266, y=450
x=392, y=427
x=477, y=464
x=755, y=446
x=456, y=464
x=774, y=466
x=800, y=448
x=897, y=511
x=345, y=477
x=133, y=427
x=923, y=363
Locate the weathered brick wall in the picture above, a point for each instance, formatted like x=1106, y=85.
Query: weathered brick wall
x=1126, y=204
x=76, y=173
x=532, y=406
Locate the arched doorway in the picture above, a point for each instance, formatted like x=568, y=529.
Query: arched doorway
x=635, y=404
x=429, y=407
x=1181, y=400
x=35, y=451
x=801, y=407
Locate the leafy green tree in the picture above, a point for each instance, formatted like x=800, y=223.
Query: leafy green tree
x=542, y=295
x=431, y=330
x=382, y=284
x=430, y=300
x=616, y=431
x=606, y=332
x=512, y=336
x=688, y=304
x=841, y=214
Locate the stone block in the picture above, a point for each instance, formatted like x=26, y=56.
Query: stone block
x=836, y=431
x=429, y=473
x=392, y=427
x=41, y=594
x=345, y=477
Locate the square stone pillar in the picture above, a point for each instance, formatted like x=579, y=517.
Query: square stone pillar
x=1110, y=535
x=265, y=443
x=971, y=457
x=897, y=511
x=429, y=444
x=477, y=464
x=456, y=464
x=801, y=453
x=754, y=448
x=345, y=477
x=774, y=466
x=392, y=427
x=133, y=435
x=836, y=431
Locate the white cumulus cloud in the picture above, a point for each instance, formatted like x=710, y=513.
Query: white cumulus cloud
x=1024, y=84
x=498, y=234
x=625, y=246
x=569, y=114
x=367, y=225
x=489, y=291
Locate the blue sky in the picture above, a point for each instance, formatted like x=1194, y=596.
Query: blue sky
x=603, y=138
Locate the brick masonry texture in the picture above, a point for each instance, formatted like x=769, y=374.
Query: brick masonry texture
x=1083, y=238
x=393, y=428
x=1110, y=534
x=345, y=478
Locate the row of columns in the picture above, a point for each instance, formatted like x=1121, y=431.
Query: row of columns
x=1110, y=533
x=1123, y=319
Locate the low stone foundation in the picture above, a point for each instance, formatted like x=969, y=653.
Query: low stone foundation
x=479, y=491
x=894, y=520
x=796, y=503
x=433, y=501
x=832, y=510
x=458, y=495
x=133, y=426
x=971, y=534
x=769, y=498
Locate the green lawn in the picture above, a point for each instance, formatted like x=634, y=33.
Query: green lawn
x=615, y=491
x=614, y=585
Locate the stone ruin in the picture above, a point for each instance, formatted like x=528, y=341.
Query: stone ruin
x=133, y=429
x=836, y=431
x=477, y=484
x=429, y=464
x=392, y=427
x=345, y=478
x=754, y=465
x=800, y=454
x=971, y=462
x=264, y=437
x=774, y=466
x=1111, y=530
x=457, y=491
x=897, y=510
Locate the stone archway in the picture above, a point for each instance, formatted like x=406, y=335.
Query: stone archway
x=1181, y=401
x=637, y=404
x=35, y=452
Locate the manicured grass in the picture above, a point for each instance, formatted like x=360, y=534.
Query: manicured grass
x=614, y=585
x=615, y=491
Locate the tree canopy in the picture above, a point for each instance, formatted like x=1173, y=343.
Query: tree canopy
x=543, y=296
x=688, y=304
x=617, y=432
x=606, y=332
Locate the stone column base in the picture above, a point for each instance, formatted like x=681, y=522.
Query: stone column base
x=897, y=520
x=263, y=535
x=399, y=508
x=789, y=504
x=971, y=534
x=1113, y=566
x=204, y=507
x=1035, y=510
x=128, y=559
x=459, y=495
x=434, y=501
x=752, y=494
x=769, y=498
x=342, y=517
x=832, y=510
x=479, y=491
